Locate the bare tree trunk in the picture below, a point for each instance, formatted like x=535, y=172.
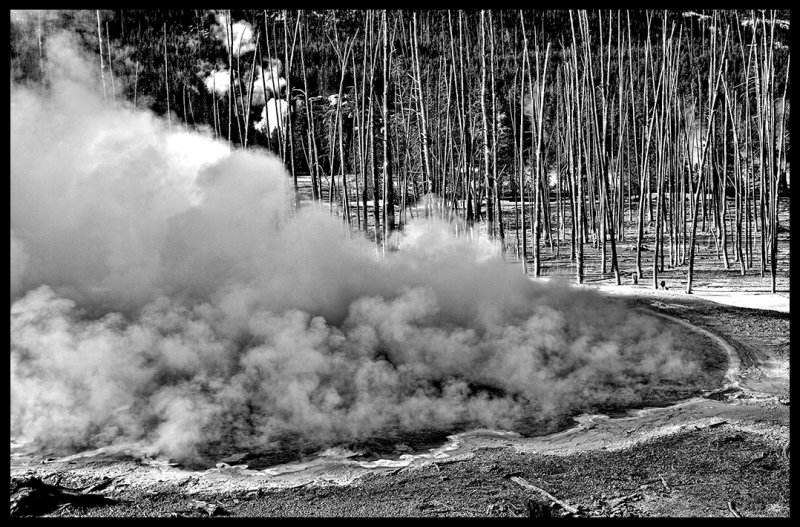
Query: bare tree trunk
x=372, y=134
x=700, y=187
x=339, y=121
x=781, y=151
x=723, y=194
x=111, y=67
x=102, y=64
x=250, y=96
x=422, y=112
x=39, y=38
x=230, y=76
x=275, y=92
x=522, y=148
x=166, y=76
x=495, y=181
x=539, y=169
x=388, y=197
x=289, y=54
x=484, y=120
x=316, y=189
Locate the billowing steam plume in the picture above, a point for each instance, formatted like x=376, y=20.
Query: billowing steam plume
x=274, y=116
x=269, y=86
x=161, y=295
x=240, y=40
x=269, y=82
x=218, y=82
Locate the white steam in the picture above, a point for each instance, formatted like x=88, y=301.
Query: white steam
x=274, y=116
x=269, y=82
x=162, y=295
x=240, y=40
x=218, y=82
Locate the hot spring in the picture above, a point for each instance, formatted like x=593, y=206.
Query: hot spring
x=165, y=295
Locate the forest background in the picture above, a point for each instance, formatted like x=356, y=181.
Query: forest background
x=573, y=130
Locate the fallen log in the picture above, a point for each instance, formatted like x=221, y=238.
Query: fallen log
x=33, y=497
x=98, y=486
x=617, y=502
x=530, y=486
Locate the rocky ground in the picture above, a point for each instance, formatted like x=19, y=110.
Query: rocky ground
x=723, y=454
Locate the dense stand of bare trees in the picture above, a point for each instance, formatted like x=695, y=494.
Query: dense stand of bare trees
x=550, y=130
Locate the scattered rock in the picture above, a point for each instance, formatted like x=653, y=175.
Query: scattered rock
x=722, y=394
x=30, y=496
x=217, y=511
x=253, y=494
x=538, y=509
x=212, y=509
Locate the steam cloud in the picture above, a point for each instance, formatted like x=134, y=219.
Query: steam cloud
x=273, y=117
x=162, y=295
x=269, y=80
x=241, y=38
x=218, y=82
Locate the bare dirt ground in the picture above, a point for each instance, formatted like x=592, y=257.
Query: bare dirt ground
x=725, y=453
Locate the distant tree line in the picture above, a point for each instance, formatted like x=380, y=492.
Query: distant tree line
x=579, y=127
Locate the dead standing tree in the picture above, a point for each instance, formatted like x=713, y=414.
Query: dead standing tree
x=428, y=176
x=316, y=184
x=712, y=104
x=338, y=130
x=388, y=186
x=495, y=181
x=599, y=121
x=537, y=118
x=485, y=123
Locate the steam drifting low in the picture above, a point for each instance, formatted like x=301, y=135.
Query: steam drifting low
x=161, y=295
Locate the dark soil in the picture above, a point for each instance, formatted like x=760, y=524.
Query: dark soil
x=696, y=473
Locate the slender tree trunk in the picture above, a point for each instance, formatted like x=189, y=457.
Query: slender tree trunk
x=700, y=188
x=166, y=75
x=289, y=55
x=111, y=67
x=102, y=64
x=388, y=197
x=484, y=121
x=539, y=168
x=495, y=181
x=522, y=149
x=422, y=112
x=250, y=97
x=316, y=190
